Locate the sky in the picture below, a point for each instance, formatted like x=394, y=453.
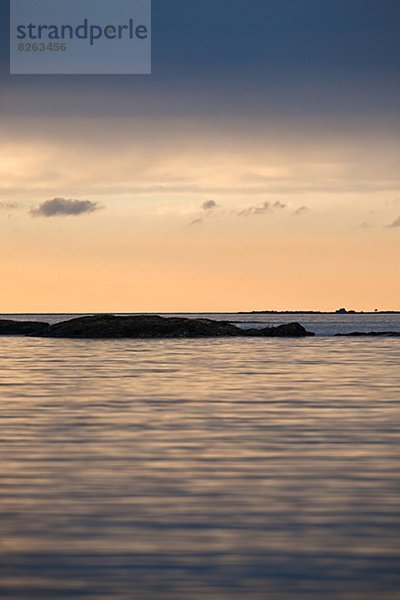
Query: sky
x=257, y=167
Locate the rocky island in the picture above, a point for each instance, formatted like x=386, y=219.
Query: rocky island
x=144, y=327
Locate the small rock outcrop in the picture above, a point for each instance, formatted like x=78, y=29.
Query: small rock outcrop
x=369, y=334
x=10, y=327
x=153, y=326
x=288, y=330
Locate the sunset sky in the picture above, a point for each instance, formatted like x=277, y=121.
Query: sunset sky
x=256, y=168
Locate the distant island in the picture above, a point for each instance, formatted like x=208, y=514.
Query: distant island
x=339, y=311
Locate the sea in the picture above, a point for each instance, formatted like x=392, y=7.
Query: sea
x=205, y=469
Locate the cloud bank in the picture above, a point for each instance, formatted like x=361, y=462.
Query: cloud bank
x=61, y=207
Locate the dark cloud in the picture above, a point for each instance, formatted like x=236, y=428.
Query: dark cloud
x=261, y=209
x=396, y=223
x=301, y=210
x=233, y=42
x=286, y=35
x=209, y=205
x=61, y=207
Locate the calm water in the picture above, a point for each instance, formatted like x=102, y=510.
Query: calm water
x=200, y=469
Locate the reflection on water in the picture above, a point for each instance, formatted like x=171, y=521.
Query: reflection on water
x=180, y=469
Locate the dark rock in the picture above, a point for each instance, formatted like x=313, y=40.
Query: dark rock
x=369, y=334
x=153, y=326
x=10, y=327
x=288, y=330
x=143, y=326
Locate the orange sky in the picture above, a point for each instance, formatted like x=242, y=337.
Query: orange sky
x=296, y=222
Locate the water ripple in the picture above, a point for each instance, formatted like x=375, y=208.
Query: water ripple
x=192, y=469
